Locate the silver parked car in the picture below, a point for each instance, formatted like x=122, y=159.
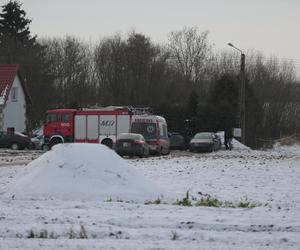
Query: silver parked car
x=205, y=142
x=38, y=142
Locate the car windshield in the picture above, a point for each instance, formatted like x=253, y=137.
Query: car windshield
x=129, y=136
x=203, y=136
x=148, y=130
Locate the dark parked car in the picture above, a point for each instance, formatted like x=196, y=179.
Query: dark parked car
x=14, y=140
x=205, y=142
x=176, y=141
x=132, y=144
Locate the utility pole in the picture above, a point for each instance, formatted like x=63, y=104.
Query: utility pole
x=243, y=99
x=242, y=95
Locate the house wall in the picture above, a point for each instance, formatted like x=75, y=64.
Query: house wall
x=14, y=112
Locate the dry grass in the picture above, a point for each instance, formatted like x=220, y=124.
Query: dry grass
x=289, y=141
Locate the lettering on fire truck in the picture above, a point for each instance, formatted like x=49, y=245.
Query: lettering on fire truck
x=63, y=124
x=107, y=123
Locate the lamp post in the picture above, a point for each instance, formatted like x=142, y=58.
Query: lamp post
x=242, y=94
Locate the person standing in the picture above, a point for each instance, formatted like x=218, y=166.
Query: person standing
x=228, y=136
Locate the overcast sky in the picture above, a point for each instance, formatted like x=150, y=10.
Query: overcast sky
x=270, y=26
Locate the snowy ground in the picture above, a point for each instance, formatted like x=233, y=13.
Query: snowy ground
x=268, y=179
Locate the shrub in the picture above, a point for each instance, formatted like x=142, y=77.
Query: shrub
x=185, y=201
x=156, y=202
x=175, y=235
x=244, y=203
x=209, y=202
x=82, y=233
x=214, y=202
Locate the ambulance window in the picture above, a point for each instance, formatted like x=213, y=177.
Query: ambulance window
x=148, y=130
x=51, y=118
x=161, y=130
x=165, y=130
x=65, y=117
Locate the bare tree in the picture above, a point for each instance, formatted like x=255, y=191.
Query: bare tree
x=190, y=52
x=109, y=59
x=130, y=71
x=72, y=71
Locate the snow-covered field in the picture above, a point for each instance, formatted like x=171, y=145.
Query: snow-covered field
x=107, y=209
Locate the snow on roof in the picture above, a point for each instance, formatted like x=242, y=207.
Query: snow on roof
x=82, y=171
x=8, y=73
x=3, y=95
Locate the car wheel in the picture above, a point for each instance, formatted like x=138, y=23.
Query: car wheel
x=142, y=153
x=167, y=151
x=146, y=153
x=45, y=147
x=14, y=146
x=120, y=154
x=159, y=152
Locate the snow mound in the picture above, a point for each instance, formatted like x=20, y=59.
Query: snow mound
x=236, y=144
x=82, y=171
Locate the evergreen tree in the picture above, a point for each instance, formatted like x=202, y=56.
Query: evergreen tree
x=15, y=36
x=225, y=100
x=18, y=46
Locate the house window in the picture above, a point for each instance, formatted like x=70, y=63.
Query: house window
x=14, y=94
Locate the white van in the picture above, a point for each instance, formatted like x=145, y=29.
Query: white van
x=155, y=130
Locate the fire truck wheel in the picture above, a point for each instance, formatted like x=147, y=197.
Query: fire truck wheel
x=54, y=142
x=107, y=143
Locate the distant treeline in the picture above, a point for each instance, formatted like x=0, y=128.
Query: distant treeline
x=195, y=88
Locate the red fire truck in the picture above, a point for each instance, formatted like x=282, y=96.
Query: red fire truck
x=96, y=125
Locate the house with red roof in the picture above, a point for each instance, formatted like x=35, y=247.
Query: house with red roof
x=14, y=98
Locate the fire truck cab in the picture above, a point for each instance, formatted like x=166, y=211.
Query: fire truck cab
x=59, y=126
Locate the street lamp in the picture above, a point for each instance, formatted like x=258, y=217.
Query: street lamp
x=242, y=94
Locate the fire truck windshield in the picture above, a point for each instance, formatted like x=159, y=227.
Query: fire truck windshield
x=148, y=130
x=51, y=118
